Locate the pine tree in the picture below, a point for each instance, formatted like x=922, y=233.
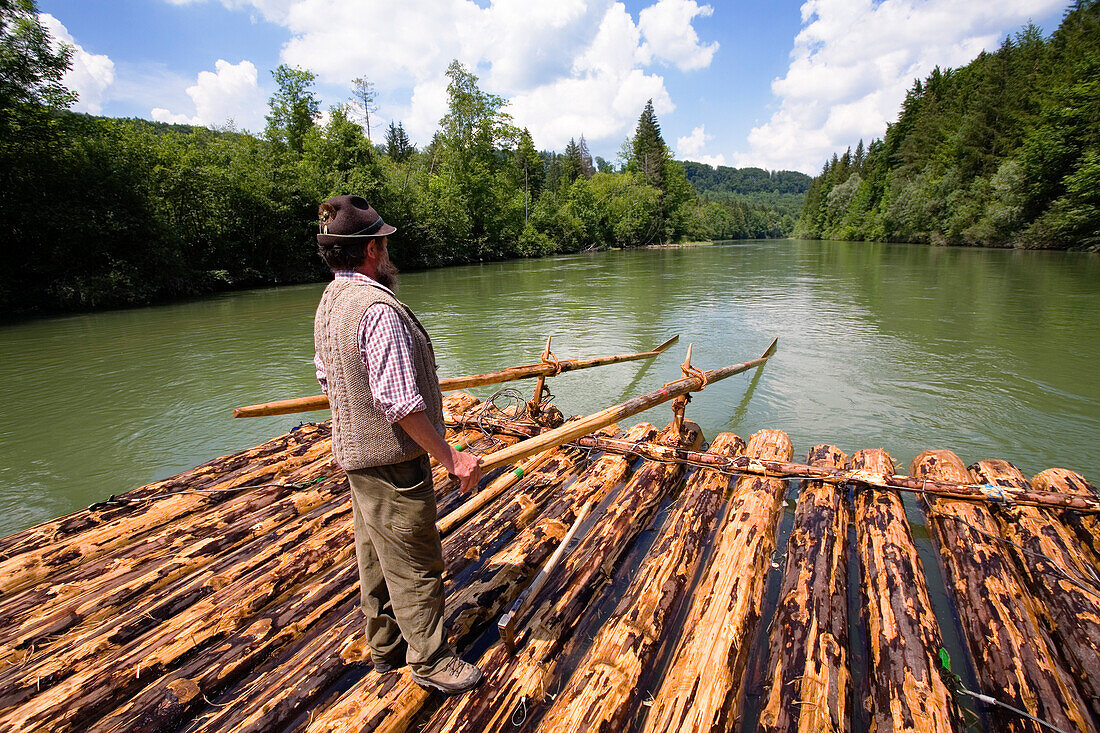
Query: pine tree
x=530, y=165
x=365, y=99
x=398, y=146
x=587, y=170
x=571, y=164
x=648, y=149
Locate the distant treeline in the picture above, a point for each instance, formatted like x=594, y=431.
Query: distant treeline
x=785, y=191
x=99, y=212
x=1002, y=152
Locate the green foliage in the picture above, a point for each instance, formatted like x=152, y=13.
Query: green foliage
x=294, y=108
x=1001, y=152
x=149, y=211
x=30, y=69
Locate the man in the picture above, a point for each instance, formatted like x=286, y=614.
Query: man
x=376, y=363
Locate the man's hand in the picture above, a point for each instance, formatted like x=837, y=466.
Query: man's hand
x=465, y=467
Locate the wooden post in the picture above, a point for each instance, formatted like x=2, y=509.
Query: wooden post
x=809, y=681
x=702, y=688
x=604, y=692
x=1013, y=657
x=906, y=692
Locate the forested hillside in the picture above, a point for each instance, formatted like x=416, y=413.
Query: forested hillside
x=1002, y=152
x=784, y=191
x=98, y=212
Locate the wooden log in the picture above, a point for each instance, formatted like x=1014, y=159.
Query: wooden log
x=281, y=688
x=604, y=692
x=214, y=668
x=809, y=680
x=525, y=371
x=515, y=510
x=229, y=591
x=88, y=540
x=1062, y=581
x=544, y=631
x=278, y=693
x=702, y=688
x=91, y=690
x=1014, y=660
x=1086, y=526
x=906, y=692
x=110, y=584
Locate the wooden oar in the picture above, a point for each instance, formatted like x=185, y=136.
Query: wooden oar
x=525, y=371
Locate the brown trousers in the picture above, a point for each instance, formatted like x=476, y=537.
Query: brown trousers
x=400, y=563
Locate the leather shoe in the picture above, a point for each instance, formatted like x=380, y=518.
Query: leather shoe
x=452, y=678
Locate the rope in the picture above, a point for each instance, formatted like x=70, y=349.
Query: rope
x=1082, y=583
x=954, y=683
x=549, y=359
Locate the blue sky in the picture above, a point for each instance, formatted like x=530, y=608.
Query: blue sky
x=780, y=85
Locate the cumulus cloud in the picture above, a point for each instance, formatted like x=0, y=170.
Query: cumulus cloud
x=90, y=75
x=569, y=67
x=670, y=37
x=230, y=93
x=853, y=62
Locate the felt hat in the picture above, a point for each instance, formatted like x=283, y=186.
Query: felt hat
x=350, y=219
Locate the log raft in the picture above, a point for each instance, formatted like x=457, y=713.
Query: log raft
x=225, y=598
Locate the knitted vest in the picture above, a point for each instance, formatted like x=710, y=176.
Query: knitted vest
x=361, y=435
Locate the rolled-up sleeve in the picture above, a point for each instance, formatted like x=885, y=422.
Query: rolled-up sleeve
x=322, y=378
x=386, y=347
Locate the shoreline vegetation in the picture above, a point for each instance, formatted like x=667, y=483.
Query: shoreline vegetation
x=106, y=213
x=1002, y=152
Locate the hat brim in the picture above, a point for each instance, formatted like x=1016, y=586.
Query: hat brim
x=384, y=231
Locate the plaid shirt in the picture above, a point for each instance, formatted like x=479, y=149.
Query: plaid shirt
x=386, y=348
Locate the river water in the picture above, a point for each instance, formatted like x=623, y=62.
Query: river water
x=991, y=353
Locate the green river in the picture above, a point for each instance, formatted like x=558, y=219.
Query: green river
x=991, y=353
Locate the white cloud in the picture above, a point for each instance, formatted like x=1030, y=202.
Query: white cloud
x=90, y=75
x=232, y=93
x=690, y=147
x=569, y=67
x=692, y=144
x=669, y=34
x=853, y=62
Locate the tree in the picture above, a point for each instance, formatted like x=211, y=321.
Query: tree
x=30, y=68
x=398, y=146
x=571, y=165
x=529, y=163
x=586, y=158
x=366, y=98
x=294, y=107
x=648, y=150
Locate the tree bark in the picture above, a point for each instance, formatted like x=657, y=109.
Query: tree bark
x=1062, y=582
x=907, y=693
x=542, y=632
x=1014, y=660
x=604, y=693
x=702, y=688
x=809, y=685
x=1086, y=526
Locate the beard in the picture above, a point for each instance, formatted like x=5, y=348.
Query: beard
x=387, y=274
